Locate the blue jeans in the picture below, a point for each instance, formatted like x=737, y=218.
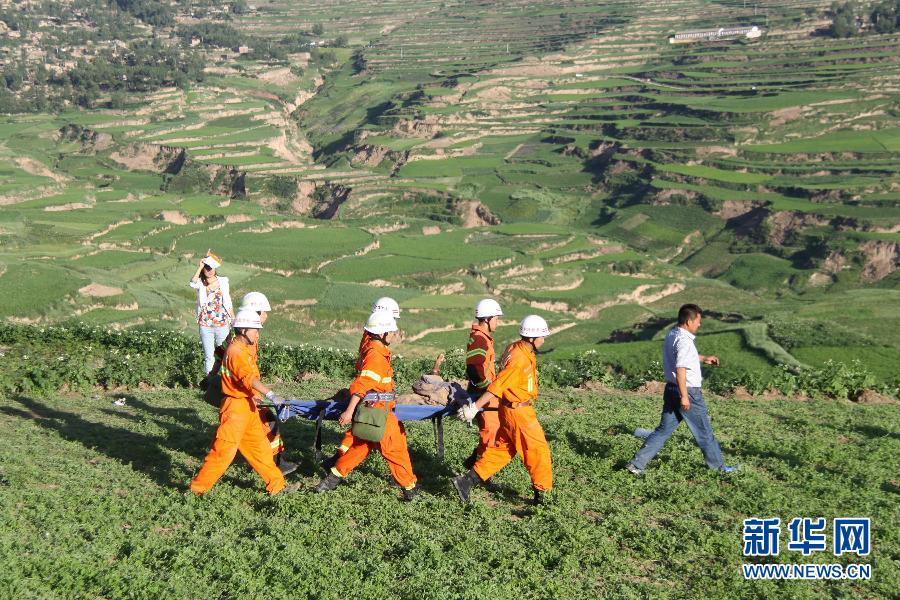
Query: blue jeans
x=210, y=337
x=697, y=419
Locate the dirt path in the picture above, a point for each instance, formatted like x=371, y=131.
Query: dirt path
x=431, y=330
x=33, y=167
x=563, y=327
x=97, y=290
x=529, y=285
x=656, y=83
x=636, y=296
x=361, y=252
x=512, y=152
x=687, y=241
x=109, y=228
x=32, y=194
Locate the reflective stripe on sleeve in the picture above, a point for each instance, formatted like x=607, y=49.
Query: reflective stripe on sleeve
x=375, y=376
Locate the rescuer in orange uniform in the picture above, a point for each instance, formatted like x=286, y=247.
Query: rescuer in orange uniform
x=257, y=302
x=240, y=427
x=386, y=305
x=516, y=388
x=374, y=385
x=480, y=371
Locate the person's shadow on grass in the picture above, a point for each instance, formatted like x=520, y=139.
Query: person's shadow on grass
x=191, y=434
x=184, y=428
x=600, y=447
x=142, y=452
x=874, y=432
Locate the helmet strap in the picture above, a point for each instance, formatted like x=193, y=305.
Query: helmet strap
x=378, y=336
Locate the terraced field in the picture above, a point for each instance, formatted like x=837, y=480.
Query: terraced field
x=564, y=158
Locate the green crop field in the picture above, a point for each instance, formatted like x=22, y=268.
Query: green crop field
x=545, y=170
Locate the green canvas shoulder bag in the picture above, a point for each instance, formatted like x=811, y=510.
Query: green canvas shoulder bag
x=369, y=421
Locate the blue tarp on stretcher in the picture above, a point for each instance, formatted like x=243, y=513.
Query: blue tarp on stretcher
x=328, y=410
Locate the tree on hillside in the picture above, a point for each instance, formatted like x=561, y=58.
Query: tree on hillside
x=318, y=29
x=885, y=17
x=844, y=21
x=212, y=34
x=321, y=57
x=156, y=14
x=13, y=76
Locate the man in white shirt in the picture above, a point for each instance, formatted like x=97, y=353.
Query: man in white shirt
x=682, y=399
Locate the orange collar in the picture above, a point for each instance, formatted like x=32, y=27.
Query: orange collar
x=483, y=329
x=526, y=347
x=378, y=346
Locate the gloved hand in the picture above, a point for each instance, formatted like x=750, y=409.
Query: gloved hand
x=467, y=413
x=275, y=399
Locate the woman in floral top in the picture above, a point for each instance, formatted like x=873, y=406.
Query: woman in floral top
x=214, y=309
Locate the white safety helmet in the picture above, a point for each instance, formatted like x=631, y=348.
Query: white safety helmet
x=381, y=322
x=246, y=319
x=534, y=326
x=388, y=305
x=488, y=308
x=255, y=301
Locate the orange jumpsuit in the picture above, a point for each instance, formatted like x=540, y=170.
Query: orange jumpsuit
x=481, y=372
x=348, y=436
x=240, y=426
x=520, y=433
x=266, y=416
x=375, y=374
x=270, y=421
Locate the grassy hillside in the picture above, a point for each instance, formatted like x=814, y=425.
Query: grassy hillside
x=104, y=511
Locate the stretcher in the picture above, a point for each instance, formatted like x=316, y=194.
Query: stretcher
x=329, y=410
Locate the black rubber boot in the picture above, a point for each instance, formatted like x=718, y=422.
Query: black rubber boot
x=290, y=489
x=490, y=485
x=470, y=461
x=539, y=498
x=464, y=484
x=328, y=463
x=328, y=484
x=287, y=467
x=410, y=494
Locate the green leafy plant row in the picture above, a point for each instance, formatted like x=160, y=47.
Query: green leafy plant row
x=37, y=359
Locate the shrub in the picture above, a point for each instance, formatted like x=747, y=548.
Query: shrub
x=281, y=186
x=48, y=359
x=837, y=380
x=844, y=20
x=43, y=373
x=885, y=16
x=129, y=369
